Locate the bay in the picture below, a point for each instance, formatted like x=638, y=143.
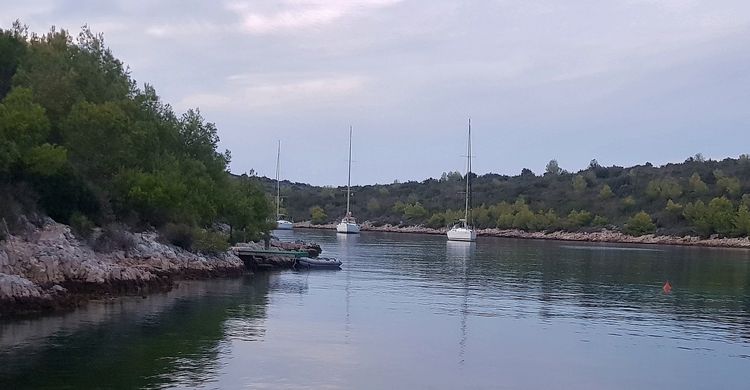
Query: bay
x=414, y=311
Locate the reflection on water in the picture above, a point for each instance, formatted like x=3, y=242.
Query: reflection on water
x=415, y=311
x=133, y=342
x=460, y=253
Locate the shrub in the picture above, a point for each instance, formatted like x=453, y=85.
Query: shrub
x=436, y=221
x=599, y=221
x=318, y=216
x=81, y=225
x=640, y=224
x=209, y=241
x=178, y=234
x=578, y=219
x=112, y=238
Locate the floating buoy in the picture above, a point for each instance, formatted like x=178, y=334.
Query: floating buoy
x=667, y=287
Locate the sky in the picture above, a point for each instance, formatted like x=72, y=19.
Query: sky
x=621, y=81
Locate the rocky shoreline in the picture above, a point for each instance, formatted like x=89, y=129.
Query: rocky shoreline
x=603, y=236
x=49, y=269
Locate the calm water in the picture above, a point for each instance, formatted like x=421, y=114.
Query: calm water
x=413, y=311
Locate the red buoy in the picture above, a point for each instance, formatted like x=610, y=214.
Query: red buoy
x=667, y=287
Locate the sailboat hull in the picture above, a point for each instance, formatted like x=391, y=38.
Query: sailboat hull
x=462, y=234
x=284, y=225
x=347, y=228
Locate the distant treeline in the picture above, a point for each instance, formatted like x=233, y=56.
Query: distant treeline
x=698, y=196
x=82, y=143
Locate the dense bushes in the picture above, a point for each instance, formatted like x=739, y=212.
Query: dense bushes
x=640, y=224
x=93, y=149
x=195, y=239
x=677, y=198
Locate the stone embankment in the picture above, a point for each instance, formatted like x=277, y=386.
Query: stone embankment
x=49, y=268
x=598, y=236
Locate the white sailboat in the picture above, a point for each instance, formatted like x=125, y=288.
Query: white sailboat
x=348, y=224
x=463, y=230
x=281, y=224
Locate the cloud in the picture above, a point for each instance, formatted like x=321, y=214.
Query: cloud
x=300, y=14
x=247, y=92
x=566, y=76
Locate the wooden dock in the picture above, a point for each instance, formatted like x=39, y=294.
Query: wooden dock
x=246, y=251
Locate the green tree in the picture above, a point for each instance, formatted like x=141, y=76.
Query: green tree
x=667, y=188
x=373, y=205
x=673, y=208
x=12, y=50
x=721, y=213
x=246, y=210
x=628, y=203
x=605, y=192
x=599, y=221
x=716, y=217
x=579, y=183
x=640, y=224
x=696, y=185
x=697, y=214
x=728, y=185
x=741, y=221
x=46, y=159
x=414, y=212
x=580, y=218
x=318, y=216
x=553, y=168
x=97, y=137
x=23, y=126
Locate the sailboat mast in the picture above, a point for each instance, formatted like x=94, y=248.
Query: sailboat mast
x=278, y=184
x=349, y=179
x=468, y=174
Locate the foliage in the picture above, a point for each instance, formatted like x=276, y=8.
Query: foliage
x=553, y=168
x=640, y=224
x=579, y=183
x=741, y=221
x=696, y=185
x=577, y=219
x=81, y=225
x=667, y=188
x=206, y=241
x=671, y=194
x=318, y=215
x=95, y=149
x=599, y=221
x=728, y=185
x=414, y=212
x=178, y=234
x=717, y=217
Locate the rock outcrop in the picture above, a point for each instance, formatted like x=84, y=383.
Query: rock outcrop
x=50, y=266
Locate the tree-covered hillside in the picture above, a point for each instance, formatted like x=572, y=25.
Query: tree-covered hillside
x=693, y=197
x=82, y=143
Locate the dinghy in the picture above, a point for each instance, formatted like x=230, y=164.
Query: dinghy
x=318, y=262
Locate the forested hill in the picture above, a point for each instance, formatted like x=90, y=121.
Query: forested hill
x=82, y=143
x=693, y=197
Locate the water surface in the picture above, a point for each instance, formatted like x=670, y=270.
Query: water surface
x=414, y=311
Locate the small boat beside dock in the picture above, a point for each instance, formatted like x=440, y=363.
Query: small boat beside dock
x=318, y=262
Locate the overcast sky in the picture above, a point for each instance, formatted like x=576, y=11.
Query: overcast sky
x=621, y=81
